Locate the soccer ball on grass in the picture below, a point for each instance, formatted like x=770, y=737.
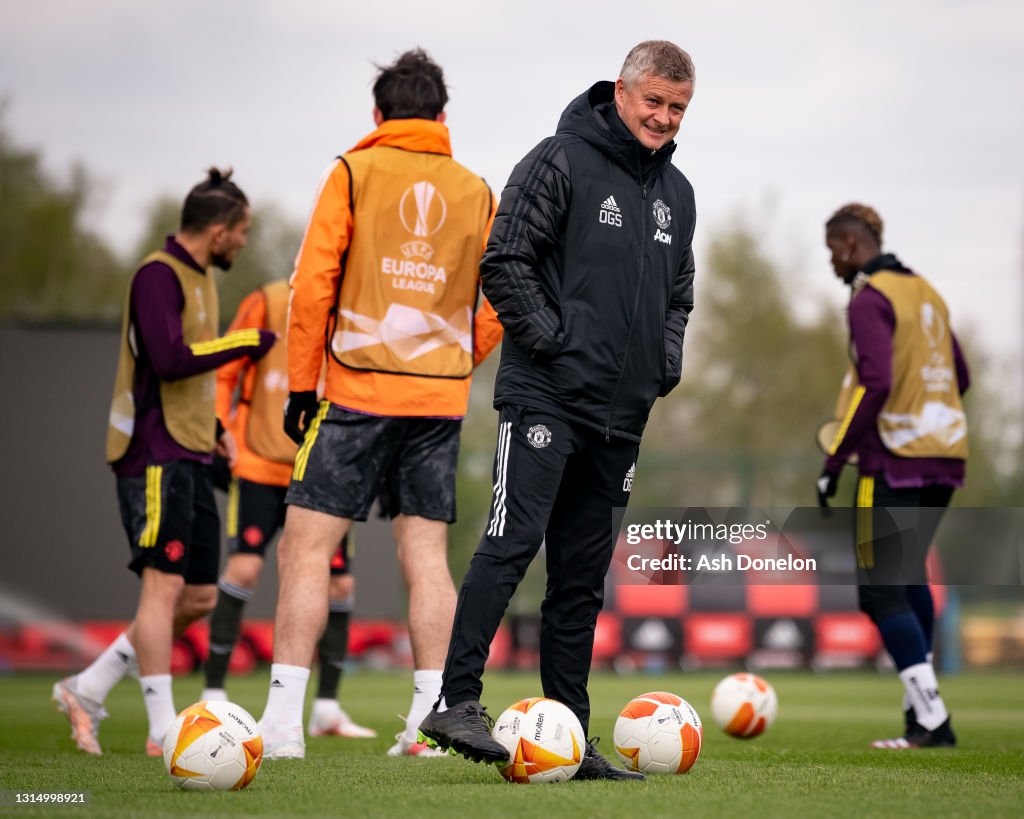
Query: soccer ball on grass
x=213, y=745
x=744, y=705
x=658, y=733
x=544, y=739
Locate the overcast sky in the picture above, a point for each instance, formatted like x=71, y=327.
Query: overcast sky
x=913, y=106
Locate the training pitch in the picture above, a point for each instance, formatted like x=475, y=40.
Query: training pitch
x=814, y=761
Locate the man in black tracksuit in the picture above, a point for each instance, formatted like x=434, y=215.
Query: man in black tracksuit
x=590, y=268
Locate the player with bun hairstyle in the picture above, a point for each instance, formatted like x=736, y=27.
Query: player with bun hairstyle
x=903, y=419
x=162, y=435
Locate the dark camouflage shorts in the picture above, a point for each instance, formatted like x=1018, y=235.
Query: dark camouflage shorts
x=348, y=458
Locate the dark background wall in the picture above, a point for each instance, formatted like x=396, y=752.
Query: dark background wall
x=63, y=552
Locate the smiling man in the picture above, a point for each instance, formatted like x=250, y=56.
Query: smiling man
x=590, y=268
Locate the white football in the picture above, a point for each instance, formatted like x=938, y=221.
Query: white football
x=213, y=745
x=544, y=739
x=658, y=733
x=744, y=705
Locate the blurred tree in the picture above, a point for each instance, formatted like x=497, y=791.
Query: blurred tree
x=757, y=381
x=995, y=466
x=758, y=377
x=53, y=268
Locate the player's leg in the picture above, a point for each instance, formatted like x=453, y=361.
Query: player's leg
x=423, y=559
x=419, y=494
x=87, y=690
x=580, y=542
x=919, y=595
x=934, y=501
x=194, y=603
x=234, y=590
x=529, y=460
x=81, y=696
x=84, y=709
x=153, y=635
x=304, y=555
x=336, y=472
x=328, y=718
x=255, y=512
x=178, y=496
x=192, y=513
x=890, y=556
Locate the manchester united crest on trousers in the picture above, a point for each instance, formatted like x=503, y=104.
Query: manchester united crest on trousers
x=539, y=436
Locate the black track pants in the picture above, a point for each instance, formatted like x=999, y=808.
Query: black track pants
x=558, y=482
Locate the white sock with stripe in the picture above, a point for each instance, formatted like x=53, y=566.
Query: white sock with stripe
x=156, y=693
x=426, y=688
x=286, y=696
x=929, y=658
x=923, y=690
x=107, y=670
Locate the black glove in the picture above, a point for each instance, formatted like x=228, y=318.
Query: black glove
x=827, y=484
x=299, y=410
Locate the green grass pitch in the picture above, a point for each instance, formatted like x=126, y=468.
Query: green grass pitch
x=815, y=760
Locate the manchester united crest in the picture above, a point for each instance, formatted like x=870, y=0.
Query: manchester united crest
x=539, y=436
x=662, y=214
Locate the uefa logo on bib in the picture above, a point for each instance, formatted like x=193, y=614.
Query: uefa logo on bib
x=422, y=212
x=422, y=209
x=539, y=436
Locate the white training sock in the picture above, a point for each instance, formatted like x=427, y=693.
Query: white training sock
x=286, y=696
x=442, y=706
x=930, y=659
x=107, y=670
x=923, y=689
x=156, y=693
x=325, y=707
x=426, y=688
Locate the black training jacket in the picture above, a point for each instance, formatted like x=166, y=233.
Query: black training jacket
x=590, y=268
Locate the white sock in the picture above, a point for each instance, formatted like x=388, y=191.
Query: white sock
x=107, y=670
x=426, y=688
x=442, y=706
x=930, y=659
x=325, y=707
x=923, y=689
x=287, y=695
x=156, y=693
